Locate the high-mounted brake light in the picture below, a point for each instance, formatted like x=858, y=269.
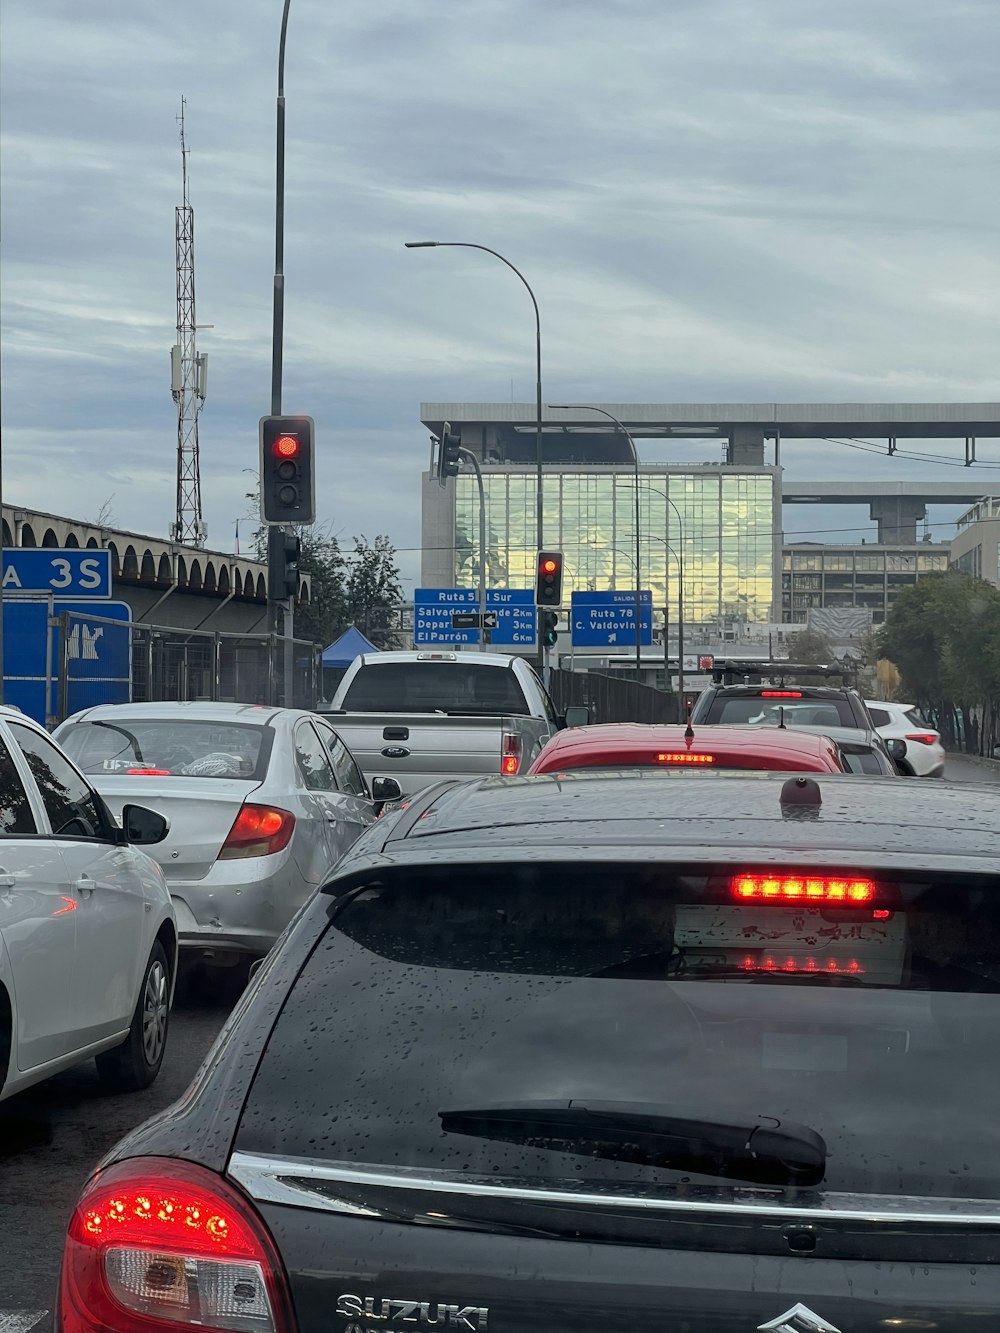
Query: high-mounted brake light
x=924, y=737
x=258, y=830
x=827, y=966
x=684, y=757
x=781, y=694
x=148, y=772
x=156, y=1245
x=847, y=890
x=510, y=754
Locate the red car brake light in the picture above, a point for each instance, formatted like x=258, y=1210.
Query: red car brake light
x=819, y=889
x=149, y=772
x=781, y=694
x=258, y=830
x=156, y=1245
x=924, y=737
x=684, y=757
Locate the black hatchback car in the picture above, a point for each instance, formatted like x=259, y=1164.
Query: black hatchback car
x=655, y=1052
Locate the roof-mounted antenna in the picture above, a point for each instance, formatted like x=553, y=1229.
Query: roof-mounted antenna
x=689, y=730
x=781, y=717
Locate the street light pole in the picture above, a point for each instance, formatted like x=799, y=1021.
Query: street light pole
x=589, y=407
x=470, y=245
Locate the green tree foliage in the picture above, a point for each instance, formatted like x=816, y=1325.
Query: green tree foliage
x=373, y=590
x=943, y=635
x=361, y=589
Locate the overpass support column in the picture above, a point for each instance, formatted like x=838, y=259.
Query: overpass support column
x=746, y=445
x=897, y=519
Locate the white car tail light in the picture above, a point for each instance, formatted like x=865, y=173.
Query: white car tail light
x=258, y=830
x=156, y=1245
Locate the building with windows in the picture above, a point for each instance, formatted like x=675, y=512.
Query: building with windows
x=868, y=577
x=720, y=525
x=976, y=547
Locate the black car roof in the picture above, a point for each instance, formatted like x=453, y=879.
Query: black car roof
x=731, y=817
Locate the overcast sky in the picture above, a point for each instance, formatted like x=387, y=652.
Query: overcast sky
x=714, y=201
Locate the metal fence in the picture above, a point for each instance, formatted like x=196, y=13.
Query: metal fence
x=611, y=699
x=101, y=660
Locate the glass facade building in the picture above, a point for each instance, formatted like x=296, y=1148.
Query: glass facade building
x=718, y=523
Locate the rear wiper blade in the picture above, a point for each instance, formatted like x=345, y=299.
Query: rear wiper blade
x=762, y=1149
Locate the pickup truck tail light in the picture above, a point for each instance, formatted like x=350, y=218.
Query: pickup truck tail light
x=510, y=754
x=158, y=1245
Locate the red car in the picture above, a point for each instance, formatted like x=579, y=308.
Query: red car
x=633, y=745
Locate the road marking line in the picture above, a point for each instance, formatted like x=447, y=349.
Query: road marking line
x=19, y=1321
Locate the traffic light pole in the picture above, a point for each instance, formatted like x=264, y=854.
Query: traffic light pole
x=275, y=534
x=485, y=635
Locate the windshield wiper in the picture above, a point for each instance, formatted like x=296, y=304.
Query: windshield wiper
x=131, y=740
x=762, y=1149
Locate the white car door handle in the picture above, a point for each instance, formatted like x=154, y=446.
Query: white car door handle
x=84, y=885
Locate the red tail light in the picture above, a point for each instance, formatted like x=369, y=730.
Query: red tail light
x=819, y=889
x=781, y=694
x=156, y=1245
x=259, y=830
x=924, y=737
x=510, y=754
x=685, y=757
x=149, y=772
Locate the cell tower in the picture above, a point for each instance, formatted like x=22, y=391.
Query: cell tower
x=188, y=374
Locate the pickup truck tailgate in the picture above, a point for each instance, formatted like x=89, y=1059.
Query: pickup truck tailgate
x=420, y=749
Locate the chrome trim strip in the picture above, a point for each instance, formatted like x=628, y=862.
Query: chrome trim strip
x=298, y=1182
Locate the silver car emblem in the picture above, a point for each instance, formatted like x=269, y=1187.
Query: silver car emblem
x=799, y=1319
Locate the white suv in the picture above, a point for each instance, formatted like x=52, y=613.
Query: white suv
x=904, y=722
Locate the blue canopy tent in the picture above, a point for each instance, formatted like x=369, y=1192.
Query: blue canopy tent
x=339, y=656
x=342, y=652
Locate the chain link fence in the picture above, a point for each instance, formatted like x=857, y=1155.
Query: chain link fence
x=102, y=660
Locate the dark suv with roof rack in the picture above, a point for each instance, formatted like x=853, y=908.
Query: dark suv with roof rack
x=648, y=1051
x=763, y=702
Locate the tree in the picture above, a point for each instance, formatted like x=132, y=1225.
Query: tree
x=943, y=634
x=325, y=616
x=373, y=590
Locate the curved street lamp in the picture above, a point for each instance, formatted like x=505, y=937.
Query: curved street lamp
x=589, y=407
x=471, y=245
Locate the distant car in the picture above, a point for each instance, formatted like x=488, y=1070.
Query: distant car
x=588, y=1054
x=810, y=705
x=632, y=745
x=924, y=754
x=262, y=803
x=88, y=940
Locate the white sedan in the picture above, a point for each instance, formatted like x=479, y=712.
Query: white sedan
x=262, y=803
x=88, y=938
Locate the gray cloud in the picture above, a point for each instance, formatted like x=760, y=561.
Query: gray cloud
x=714, y=201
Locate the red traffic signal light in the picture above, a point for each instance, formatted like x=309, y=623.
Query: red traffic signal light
x=287, y=478
x=548, y=582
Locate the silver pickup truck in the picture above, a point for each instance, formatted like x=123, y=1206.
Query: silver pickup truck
x=426, y=715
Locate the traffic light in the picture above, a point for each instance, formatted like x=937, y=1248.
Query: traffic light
x=449, y=450
x=548, y=583
x=287, y=479
x=284, y=551
x=550, y=634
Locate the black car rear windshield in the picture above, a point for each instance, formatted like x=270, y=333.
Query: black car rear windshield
x=169, y=747
x=427, y=687
x=866, y=1011
x=758, y=710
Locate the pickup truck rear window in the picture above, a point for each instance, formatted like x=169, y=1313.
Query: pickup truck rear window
x=435, y=687
x=445, y=1008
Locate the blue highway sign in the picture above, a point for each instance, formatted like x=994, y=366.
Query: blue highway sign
x=98, y=660
x=63, y=571
x=514, y=607
x=607, y=619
